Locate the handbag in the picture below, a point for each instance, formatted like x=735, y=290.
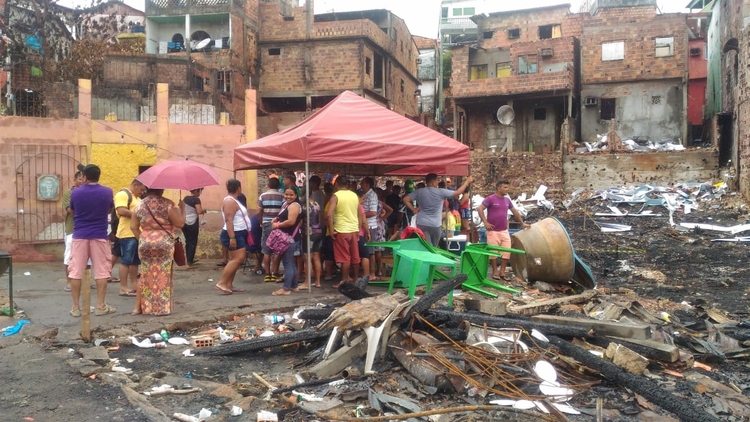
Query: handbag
x=179, y=249
x=278, y=241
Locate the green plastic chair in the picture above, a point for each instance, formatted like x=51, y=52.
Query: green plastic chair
x=415, y=263
x=475, y=260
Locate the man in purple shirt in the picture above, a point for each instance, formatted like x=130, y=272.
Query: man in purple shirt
x=496, y=224
x=91, y=204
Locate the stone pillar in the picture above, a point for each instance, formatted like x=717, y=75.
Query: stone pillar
x=162, y=121
x=84, y=129
x=252, y=189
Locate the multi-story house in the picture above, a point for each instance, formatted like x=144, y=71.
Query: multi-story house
x=634, y=69
x=205, y=49
x=727, y=110
x=525, y=59
x=305, y=61
x=428, y=73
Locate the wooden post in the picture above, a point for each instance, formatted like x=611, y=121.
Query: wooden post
x=86, y=306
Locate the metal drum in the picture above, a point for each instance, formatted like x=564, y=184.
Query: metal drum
x=549, y=253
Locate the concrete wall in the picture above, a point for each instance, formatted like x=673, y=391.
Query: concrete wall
x=638, y=112
x=120, y=148
x=600, y=171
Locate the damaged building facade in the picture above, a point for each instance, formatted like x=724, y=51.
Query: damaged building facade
x=634, y=70
x=307, y=60
x=620, y=60
x=527, y=60
x=727, y=111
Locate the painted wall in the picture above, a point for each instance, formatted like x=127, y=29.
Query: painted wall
x=696, y=100
x=119, y=148
x=638, y=112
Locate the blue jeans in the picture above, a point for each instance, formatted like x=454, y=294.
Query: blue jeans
x=288, y=260
x=129, y=251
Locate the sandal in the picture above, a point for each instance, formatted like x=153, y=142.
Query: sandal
x=131, y=293
x=104, y=311
x=281, y=292
x=269, y=278
x=75, y=313
x=221, y=264
x=316, y=285
x=303, y=287
x=113, y=280
x=67, y=289
x=223, y=290
x=237, y=290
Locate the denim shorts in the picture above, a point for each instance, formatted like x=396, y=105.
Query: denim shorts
x=129, y=251
x=240, y=236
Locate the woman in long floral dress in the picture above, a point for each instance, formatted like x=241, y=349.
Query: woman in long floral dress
x=156, y=219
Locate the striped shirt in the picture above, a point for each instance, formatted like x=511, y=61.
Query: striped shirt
x=270, y=202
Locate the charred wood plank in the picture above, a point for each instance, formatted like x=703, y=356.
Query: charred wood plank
x=683, y=409
x=439, y=291
x=263, y=342
x=501, y=322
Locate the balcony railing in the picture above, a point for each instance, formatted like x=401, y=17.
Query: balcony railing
x=456, y=23
x=184, y=7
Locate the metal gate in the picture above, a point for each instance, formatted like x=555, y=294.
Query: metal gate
x=43, y=173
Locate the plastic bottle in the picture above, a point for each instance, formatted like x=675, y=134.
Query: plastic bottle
x=276, y=319
x=164, y=334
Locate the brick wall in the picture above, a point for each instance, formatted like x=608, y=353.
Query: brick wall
x=564, y=52
x=528, y=23
x=637, y=27
x=743, y=112
x=524, y=171
x=128, y=70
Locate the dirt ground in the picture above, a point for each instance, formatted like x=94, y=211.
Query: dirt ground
x=666, y=269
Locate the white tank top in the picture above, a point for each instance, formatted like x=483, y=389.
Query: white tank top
x=240, y=221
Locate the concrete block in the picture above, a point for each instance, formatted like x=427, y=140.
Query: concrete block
x=626, y=358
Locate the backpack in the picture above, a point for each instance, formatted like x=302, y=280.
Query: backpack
x=115, y=219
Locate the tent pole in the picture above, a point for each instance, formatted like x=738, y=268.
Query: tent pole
x=308, y=273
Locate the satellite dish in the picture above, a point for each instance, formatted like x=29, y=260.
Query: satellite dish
x=505, y=115
x=203, y=44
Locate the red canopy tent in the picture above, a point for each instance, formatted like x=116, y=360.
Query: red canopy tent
x=355, y=136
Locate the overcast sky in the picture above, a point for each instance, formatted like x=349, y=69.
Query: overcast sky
x=421, y=16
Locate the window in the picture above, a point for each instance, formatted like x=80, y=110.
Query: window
x=224, y=78
x=502, y=70
x=394, y=34
x=469, y=11
x=199, y=36
x=705, y=52
x=444, y=13
x=274, y=51
x=457, y=11
x=540, y=114
x=550, y=31
x=487, y=35
x=377, y=72
x=402, y=86
x=656, y=99
x=514, y=33
x=526, y=64
x=478, y=72
x=664, y=47
x=607, y=108
x=613, y=51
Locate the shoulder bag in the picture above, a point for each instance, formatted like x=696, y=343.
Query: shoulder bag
x=278, y=241
x=179, y=249
x=249, y=240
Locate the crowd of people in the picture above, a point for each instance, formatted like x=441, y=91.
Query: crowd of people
x=346, y=219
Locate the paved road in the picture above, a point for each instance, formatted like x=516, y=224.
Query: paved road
x=38, y=290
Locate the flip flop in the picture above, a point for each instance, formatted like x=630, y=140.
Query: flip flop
x=237, y=290
x=281, y=292
x=75, y=313
x=221, y=264
x=316, y=285
x=131, y=293
x=113, y=280
x=223, y=290
x=67, y=289
x=106, y=310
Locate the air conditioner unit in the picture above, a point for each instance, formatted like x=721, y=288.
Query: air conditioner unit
x=695, y=51
x=546, y=52
x=591, y=101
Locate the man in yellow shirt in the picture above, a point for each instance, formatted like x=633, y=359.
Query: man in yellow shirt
x=125, y=202
x=345, y=220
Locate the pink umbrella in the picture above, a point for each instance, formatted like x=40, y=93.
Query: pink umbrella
x=184, y=174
